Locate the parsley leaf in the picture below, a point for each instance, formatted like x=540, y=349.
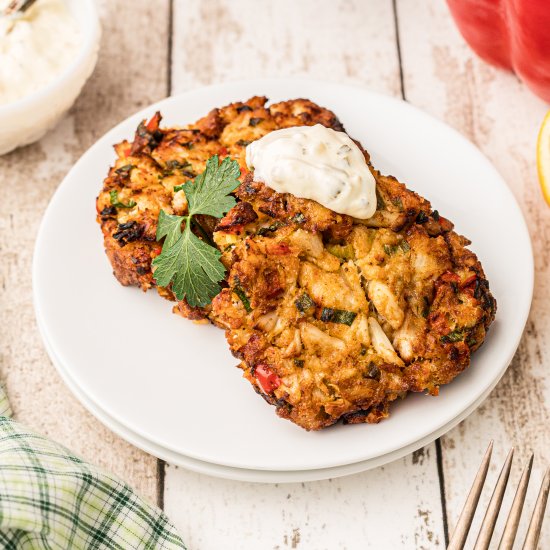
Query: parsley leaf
x=189, y=263
x=170, y=227
x=209, y=193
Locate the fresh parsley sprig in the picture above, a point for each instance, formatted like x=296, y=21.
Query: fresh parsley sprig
x=189, y=263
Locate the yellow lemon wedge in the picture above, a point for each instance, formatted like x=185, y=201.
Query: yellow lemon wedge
x=543, y=157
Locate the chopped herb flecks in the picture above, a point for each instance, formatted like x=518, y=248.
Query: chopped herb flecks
x=304, y=302
x=393, y=249
x=330, y=315
x=456, y=335
x=238, y=290
x=113, y=194
x=269, y=229
x=124, y=170
x=298, y=218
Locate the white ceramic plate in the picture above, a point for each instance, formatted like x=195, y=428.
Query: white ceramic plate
x=173, y=382
x=244, y=474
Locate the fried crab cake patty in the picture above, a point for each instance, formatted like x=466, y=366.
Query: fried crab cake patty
x=331, y=317
x=334, y=317
x=148, y=171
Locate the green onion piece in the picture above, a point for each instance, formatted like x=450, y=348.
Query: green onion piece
x=380, y=204
x=298, y=218
x=113, y=194
x=124, y=170
x=270, y=229
x=303, y=303
x=344, y=252
x=238, y=290
x=403, y=245
x=456, y=335
x=330, y=315
x=398, y=202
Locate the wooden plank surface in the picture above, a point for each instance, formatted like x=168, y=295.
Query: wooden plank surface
x=343, y=41
x=351, y=41
x=495, y=111
x=395, y=506
x=131, y=73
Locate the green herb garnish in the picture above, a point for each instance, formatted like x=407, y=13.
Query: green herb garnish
x=269, y=229
x=330, y=315
x=184, y=167
x=189, y=263
x=456, y=335
x=303, y=303
x=179, y=187
x=393, y=249
x=113, y=194
x=380, y=204
x=344, y=252
x=298, y=218
x=124, y=170
x=396, y=201
x=239, y=291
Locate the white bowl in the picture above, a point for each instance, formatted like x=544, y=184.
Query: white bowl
x=29, y=118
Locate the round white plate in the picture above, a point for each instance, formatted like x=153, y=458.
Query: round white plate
x=173, y=382
x=244, y=474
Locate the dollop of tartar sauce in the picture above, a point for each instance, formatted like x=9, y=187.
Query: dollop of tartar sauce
x=317, y=163
x=35, y=48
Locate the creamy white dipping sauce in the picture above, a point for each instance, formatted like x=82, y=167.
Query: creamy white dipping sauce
x=35, y=48
x=317, y=163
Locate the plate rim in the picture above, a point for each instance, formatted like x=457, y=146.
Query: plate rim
x=247, y=475
x=261, y=84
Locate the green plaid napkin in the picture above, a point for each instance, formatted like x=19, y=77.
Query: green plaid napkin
x=50, y=499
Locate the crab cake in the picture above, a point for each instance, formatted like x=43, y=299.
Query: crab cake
x=148, y=171
x=331, y=317
x=334, y=317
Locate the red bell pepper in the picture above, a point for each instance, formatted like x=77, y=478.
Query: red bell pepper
x=512, y=34
x=267, y=379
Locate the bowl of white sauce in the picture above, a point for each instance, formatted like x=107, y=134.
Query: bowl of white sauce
x=46, y=56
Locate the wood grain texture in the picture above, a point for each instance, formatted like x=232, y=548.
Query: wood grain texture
x=495, y=111
x=346, y=41
x=339, y=40
x=131, y=73
x=353, y=41
x=395, y=506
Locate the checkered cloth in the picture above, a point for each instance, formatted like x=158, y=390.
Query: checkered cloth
x=50, y=500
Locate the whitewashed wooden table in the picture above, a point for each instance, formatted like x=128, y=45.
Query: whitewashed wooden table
x=404, y=48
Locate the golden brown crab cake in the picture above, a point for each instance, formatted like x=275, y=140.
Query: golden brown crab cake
x=148, y=171
x=334, y=317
